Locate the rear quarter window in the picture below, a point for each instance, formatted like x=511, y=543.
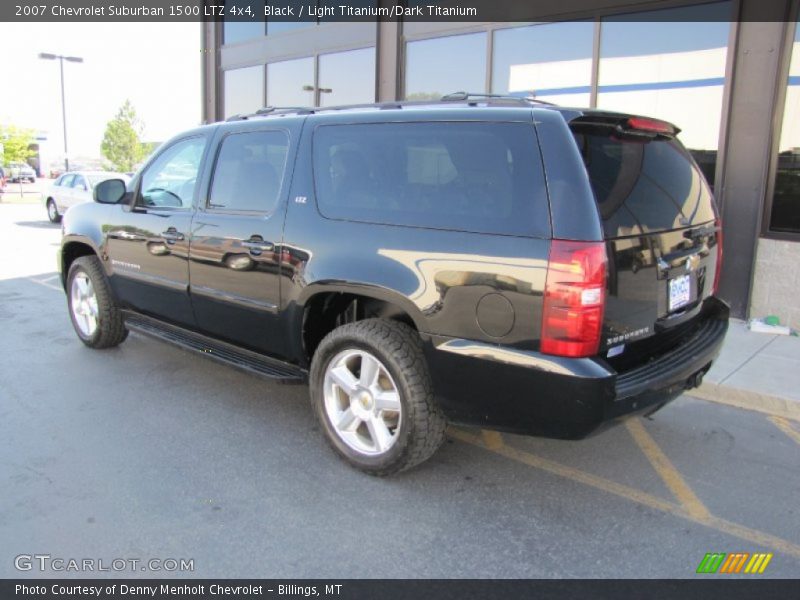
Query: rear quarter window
x=644, y=186
x=476, y=177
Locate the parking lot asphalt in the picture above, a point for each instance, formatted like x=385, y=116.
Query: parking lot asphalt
x=147, y=451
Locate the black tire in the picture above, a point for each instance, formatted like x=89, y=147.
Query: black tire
x=110, y=330
x=399, y=348
x=53, y=214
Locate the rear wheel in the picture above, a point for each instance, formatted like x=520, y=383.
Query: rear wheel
x=95, y=316
x=52, y=211
x=372, y=393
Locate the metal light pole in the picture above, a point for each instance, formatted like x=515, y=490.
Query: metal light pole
x=61, y=59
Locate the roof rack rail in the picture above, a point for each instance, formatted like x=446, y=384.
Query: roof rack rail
x=379, y=105
x=477, y=96
x=470, y=97
x=270, y=110
x=267, y=110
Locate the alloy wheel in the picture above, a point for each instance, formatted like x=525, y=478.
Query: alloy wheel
x=362, y=402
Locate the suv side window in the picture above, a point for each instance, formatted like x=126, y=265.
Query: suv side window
x=248, y=172
x=169, y=181
x=483, y=177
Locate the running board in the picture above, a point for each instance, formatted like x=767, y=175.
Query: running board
x=246, y=360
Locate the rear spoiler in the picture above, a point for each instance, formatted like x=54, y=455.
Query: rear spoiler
x=626, y=124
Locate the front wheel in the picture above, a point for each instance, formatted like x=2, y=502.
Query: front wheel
x=52, y=212
x=372, y=393
x=95, y=316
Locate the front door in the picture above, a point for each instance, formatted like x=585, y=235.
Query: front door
x=234, y=264
x=148, y=241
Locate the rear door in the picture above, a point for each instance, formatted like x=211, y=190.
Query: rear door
x=660, y=224
x=234, y=266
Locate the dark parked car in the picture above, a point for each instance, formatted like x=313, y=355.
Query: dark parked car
x=482, y=260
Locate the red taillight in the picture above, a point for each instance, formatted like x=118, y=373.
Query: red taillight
x=651, y=125
x=574, y=298
x=718, y=272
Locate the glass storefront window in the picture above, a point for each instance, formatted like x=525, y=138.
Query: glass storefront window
x=291, y=82
x=244, y=90
x=234, y=32
x=347, y=77
x=785, y=217
x=671, y=67
x=553, y=60
x=274, y=27
x=441, y=66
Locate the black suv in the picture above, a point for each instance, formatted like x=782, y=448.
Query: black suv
x=490, y=261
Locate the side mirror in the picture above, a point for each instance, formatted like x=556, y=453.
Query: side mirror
x=110, y=191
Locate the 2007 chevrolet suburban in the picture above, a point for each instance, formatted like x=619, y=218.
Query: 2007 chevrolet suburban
x=482, y=260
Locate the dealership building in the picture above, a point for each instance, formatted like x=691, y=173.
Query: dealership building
x=727, y=73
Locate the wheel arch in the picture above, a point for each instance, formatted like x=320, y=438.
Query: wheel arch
x=323, y=308
x=72, y=249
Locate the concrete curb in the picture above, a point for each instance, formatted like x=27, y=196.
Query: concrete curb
x=756, y=401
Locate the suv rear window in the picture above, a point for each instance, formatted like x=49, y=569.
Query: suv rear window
x=477, y=177
x=644, y=185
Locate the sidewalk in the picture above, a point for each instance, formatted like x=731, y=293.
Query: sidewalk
x=756, y=371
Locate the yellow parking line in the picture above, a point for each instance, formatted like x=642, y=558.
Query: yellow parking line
x=550, y=466
x=734, y=529
x=666, y=470
x=786, y=427
x=493, y=440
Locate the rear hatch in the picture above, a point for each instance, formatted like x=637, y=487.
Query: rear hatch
x=661, y=229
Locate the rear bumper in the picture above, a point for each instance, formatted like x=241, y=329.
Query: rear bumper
x=528, y=392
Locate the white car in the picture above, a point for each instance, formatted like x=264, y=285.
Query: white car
x=74, y=188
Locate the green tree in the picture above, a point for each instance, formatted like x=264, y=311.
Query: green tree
x=121, y=144
x=16, y=143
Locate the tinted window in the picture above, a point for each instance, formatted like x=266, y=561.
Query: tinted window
x=347, y=77
x=481, y=177
x=644, y=186
x=785, y=215
x=670, y=64
x=244, y=90
x=243, y=29
x=248, y=172
x=66, y=180
x=169, y=181
x=291, y=82
x=553, y=60
x=432, y=73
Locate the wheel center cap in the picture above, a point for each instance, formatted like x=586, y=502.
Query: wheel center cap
x=363, y=401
